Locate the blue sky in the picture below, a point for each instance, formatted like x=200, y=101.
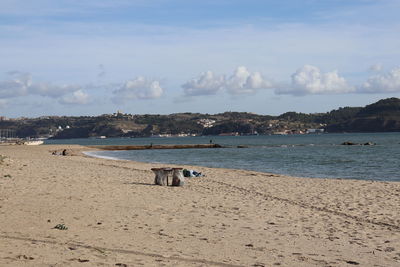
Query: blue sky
x=142, y=56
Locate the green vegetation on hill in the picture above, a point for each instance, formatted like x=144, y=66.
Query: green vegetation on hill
x=381, y=116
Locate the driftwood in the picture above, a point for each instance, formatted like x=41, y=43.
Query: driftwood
x=177, y=177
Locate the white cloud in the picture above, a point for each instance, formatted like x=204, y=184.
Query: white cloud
x=310, y=80
x=76, y=98
x=12, y=89
x=51, y=90
x=21, y=84
x=138, y=88
x=17, y=86
x=239, y=83
x=244, y=82
x=382, y=83
x=206, y=84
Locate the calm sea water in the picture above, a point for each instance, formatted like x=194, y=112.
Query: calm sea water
x=296, y=155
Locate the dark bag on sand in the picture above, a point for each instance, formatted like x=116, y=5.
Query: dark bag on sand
x=186, y=173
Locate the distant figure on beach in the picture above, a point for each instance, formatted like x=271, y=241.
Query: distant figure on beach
x=210, y=141
x=64, y=153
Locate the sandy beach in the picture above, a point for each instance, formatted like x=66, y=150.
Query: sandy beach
x=115, y=216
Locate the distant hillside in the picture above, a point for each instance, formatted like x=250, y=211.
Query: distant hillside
x=382, y=116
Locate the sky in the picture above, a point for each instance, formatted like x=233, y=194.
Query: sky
x=92, y=57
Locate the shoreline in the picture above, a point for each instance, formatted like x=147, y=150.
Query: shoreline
x=228, y=218
x=90, y=154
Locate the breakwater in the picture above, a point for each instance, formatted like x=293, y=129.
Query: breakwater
x=143, y=147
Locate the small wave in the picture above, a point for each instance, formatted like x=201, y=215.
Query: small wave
x=95, y=155
x=291, y=145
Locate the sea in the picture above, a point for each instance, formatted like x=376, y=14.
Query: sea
x=311, y=155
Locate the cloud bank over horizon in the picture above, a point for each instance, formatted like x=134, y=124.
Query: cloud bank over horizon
x=306, y=81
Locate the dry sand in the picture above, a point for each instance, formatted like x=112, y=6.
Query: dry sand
x=116, y=217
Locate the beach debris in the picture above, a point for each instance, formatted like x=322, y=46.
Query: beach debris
x=389, y=249
x=121, y=265
x=24, y=257
x=102, y=251
x=7, y=176
x=63, y=152
x=162, y=233
x=79, y=260
x=353, y=262
x=60, y=227
x=249, y=245
x=191, y=173
x=4, y=160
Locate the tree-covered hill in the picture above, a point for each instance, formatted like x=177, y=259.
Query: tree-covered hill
x=382, y=116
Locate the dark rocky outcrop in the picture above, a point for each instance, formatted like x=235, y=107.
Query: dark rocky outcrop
x=347, y=143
